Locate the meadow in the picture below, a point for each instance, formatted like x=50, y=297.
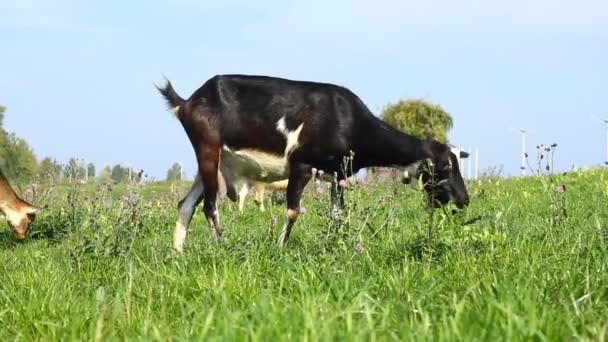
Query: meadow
x=528, y=260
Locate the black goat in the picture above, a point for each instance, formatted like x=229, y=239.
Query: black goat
x=268, y=129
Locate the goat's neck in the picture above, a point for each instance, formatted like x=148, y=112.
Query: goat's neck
x=10, y=203
x=7, y=206
x=383, y=145
x=7, y=194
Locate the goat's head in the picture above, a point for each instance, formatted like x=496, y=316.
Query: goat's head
x=442, y=179
x=21, y=219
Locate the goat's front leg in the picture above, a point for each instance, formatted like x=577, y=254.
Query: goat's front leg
x=186, y=208
x=299, y=175
x=242, y=196
x=259, y=195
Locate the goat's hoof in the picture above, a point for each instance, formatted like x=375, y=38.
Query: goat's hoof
x=216, y=238
x=282, y=241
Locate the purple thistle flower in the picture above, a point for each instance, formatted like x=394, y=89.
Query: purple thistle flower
x=359, y=247
x=561, y=189
x=302, y=210
x=342, y=183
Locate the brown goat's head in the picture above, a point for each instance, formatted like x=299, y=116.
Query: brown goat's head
x=19, y=213
x=21, y=218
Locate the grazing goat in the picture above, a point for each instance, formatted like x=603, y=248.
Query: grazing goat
x=268, y=129
x=259, y=190
x=19, y=213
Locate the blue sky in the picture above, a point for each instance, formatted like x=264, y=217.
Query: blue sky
x=77, y=77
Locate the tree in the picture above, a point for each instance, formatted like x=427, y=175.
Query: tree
x=82, y=170
x=175, y=172
x=419, y=118
x=119, y=174
x=70, y=170
x=18, y=160
x=76, y=169
x=16, y=157
x=91, y=170
x=49, y=169
x=105, y=176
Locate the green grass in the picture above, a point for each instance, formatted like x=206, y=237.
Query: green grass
x=533, y=266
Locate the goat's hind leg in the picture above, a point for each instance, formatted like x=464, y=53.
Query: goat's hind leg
x=209, y=162
x=186, y=208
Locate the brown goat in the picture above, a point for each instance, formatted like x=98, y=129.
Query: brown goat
x=19, y=213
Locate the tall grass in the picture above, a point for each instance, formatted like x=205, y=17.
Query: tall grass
x=99, y=266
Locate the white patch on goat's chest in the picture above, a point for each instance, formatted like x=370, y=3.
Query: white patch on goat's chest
x=259, y=165
x=291, y=137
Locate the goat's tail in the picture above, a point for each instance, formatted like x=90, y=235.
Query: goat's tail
x=174, y=101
